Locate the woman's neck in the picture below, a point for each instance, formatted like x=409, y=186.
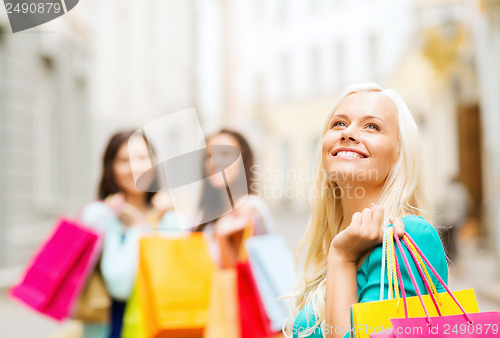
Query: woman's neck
x=137, y=200
x=356, y=198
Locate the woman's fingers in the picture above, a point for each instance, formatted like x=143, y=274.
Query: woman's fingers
x=366, y=216
x=398, y=224
x=356, y=220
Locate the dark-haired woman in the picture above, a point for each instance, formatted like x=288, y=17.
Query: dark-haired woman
x=123, y=216
x=226, y=231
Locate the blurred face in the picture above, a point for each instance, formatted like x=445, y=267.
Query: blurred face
x=135, y=151
x=222, y=159
x=362, y=142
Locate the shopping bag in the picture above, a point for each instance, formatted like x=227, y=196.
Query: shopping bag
x=132, y=326
x=272, y=265
x=372, y=317
x=57, y=273
x=464, y=324
x=174, y=280
x=253, y=318
x=94, y=302
x=223, y=314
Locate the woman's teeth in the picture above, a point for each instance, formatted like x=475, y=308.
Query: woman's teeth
x=349, y=154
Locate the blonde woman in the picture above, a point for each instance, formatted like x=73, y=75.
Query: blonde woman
x=369, y=177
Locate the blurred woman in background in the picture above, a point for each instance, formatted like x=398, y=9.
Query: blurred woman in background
x=226, y=231
x=126, y=212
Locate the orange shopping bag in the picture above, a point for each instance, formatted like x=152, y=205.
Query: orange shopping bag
x=174, y=280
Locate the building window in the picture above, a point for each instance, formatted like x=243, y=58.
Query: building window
x=340, y=63
x=315, y=58
x=285, y=67
x=46, y=139
x=373, y=55
x=258, y=9
x=283, y=10
x=259, y=91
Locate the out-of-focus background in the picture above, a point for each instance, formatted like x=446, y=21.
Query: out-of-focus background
x=269, y=68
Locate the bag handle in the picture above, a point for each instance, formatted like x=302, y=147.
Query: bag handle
x=405, y=260
x=388, y=255
x=424, y=268
x=398, y=270
x=407, y=239
x=382, y=267
x=248, y=232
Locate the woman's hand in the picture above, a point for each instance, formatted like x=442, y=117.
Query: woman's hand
x=365, y=231
x=162, y=202
x=230, y=224
x=127, y=213
x=235, y=221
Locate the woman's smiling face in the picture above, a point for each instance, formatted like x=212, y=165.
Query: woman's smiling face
x=362, y=141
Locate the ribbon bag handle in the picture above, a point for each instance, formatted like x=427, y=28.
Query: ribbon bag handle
x=422, y=265
x=387, y=256
x=407, y=239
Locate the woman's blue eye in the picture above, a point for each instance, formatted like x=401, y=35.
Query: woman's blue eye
x=373, y=126
x=335, y=124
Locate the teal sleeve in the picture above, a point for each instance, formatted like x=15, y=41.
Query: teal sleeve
x=427, y=239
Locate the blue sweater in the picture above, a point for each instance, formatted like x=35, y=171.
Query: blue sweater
x=368, y=274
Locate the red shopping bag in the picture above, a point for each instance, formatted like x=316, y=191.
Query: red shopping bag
x=57, y=273
x=253, y=318
x=482, y=324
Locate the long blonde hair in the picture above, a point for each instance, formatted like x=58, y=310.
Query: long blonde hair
x=401, y=195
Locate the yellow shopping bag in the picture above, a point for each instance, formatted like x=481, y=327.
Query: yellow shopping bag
x=132, y=326
x=372, y=317
x=174, y=280
x=223, y=315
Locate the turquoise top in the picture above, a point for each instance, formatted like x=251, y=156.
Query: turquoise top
x=368, y=274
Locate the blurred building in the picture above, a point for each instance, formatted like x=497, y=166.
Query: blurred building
x=44, y=136
x=143, y=65
x=454, y=72
x=284, y=63
x=485, y=19
x=272, y=69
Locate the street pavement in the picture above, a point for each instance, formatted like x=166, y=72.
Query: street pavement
x=474, y=269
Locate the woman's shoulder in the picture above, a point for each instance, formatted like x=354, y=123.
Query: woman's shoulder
x=418, y=228
x=421, y=231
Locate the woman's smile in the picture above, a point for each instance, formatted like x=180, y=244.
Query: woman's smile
x=349, y=154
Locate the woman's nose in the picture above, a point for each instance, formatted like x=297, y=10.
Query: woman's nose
x=348, y=134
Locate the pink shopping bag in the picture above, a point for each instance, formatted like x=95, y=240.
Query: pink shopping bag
x=481, y=324
x=57, y=273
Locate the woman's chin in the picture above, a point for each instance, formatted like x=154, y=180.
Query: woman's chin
x=348, y=174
